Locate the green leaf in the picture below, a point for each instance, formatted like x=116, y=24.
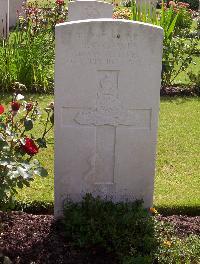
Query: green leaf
x=2, y=125
x=28, y=124
x=52, y=118
x=4, y=162
x=41, y=142
x=20, y=184
x=171, y=27
x=3, y=142
x=41, y=171
x=24, y=173
x=26, y=183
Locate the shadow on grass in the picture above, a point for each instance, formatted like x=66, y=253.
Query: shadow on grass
x=179, y=99
x=39, y=207
x=34, y=207
x=179, y=210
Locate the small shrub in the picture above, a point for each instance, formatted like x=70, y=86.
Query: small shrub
x=178, y=54
x=122, y=13
x=195, y=79
x=18, y=147
x=27, y=55
x=178, y=51
x=125, y=229
x=194, y=4
x=184, y=19
x=131, y=233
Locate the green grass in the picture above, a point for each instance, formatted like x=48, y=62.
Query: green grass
x=178, y=160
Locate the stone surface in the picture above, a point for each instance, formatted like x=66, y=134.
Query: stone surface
x=89, y=9
x=107, y=86
x=15, y=8
x=146, y=3
x=4, y=18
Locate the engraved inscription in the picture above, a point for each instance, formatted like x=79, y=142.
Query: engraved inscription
x=109, y=110
x=108, y=114
x=115, y=49
x=91, y=12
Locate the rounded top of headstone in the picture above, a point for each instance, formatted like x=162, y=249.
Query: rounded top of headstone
x=128, y=23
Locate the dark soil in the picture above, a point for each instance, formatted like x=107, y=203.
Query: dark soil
x=39, y=239
x=183, y=225
x=179, y=91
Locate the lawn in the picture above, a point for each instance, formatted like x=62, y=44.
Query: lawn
x=178, y=155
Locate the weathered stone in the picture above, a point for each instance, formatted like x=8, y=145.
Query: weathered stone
x=107, y=86
x=15, y=9
x=89, y=9
x=4, y=18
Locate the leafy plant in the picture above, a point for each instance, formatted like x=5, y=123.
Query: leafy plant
x=128, y=231
x=177, y=57
x=144, y=12
x=46, y=17
x=27, y=55
x=173, y=249
x=184, y=19
x=122, y=13
x=18, y=146
x=123, y=228
x=178, y=51
x=195, y=79
x=28, y=58
x=194, y=4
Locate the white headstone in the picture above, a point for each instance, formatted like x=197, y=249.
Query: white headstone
x=107, y=90
x=15, y=10
x=4, y=18
x=146, y=4
x=89, y=9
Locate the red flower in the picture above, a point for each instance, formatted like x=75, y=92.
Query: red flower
x=29, y=107
x=59, y=2
x=15, y=106
x=30, y=147
x=1, y=109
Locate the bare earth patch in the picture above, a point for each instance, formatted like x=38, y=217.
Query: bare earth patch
x=183, y=225
x=27, y=238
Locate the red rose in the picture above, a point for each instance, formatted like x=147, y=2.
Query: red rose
x=29, y=107
x=30, y=147
x=1, y=109
x=15, y=106
x=59, y=2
